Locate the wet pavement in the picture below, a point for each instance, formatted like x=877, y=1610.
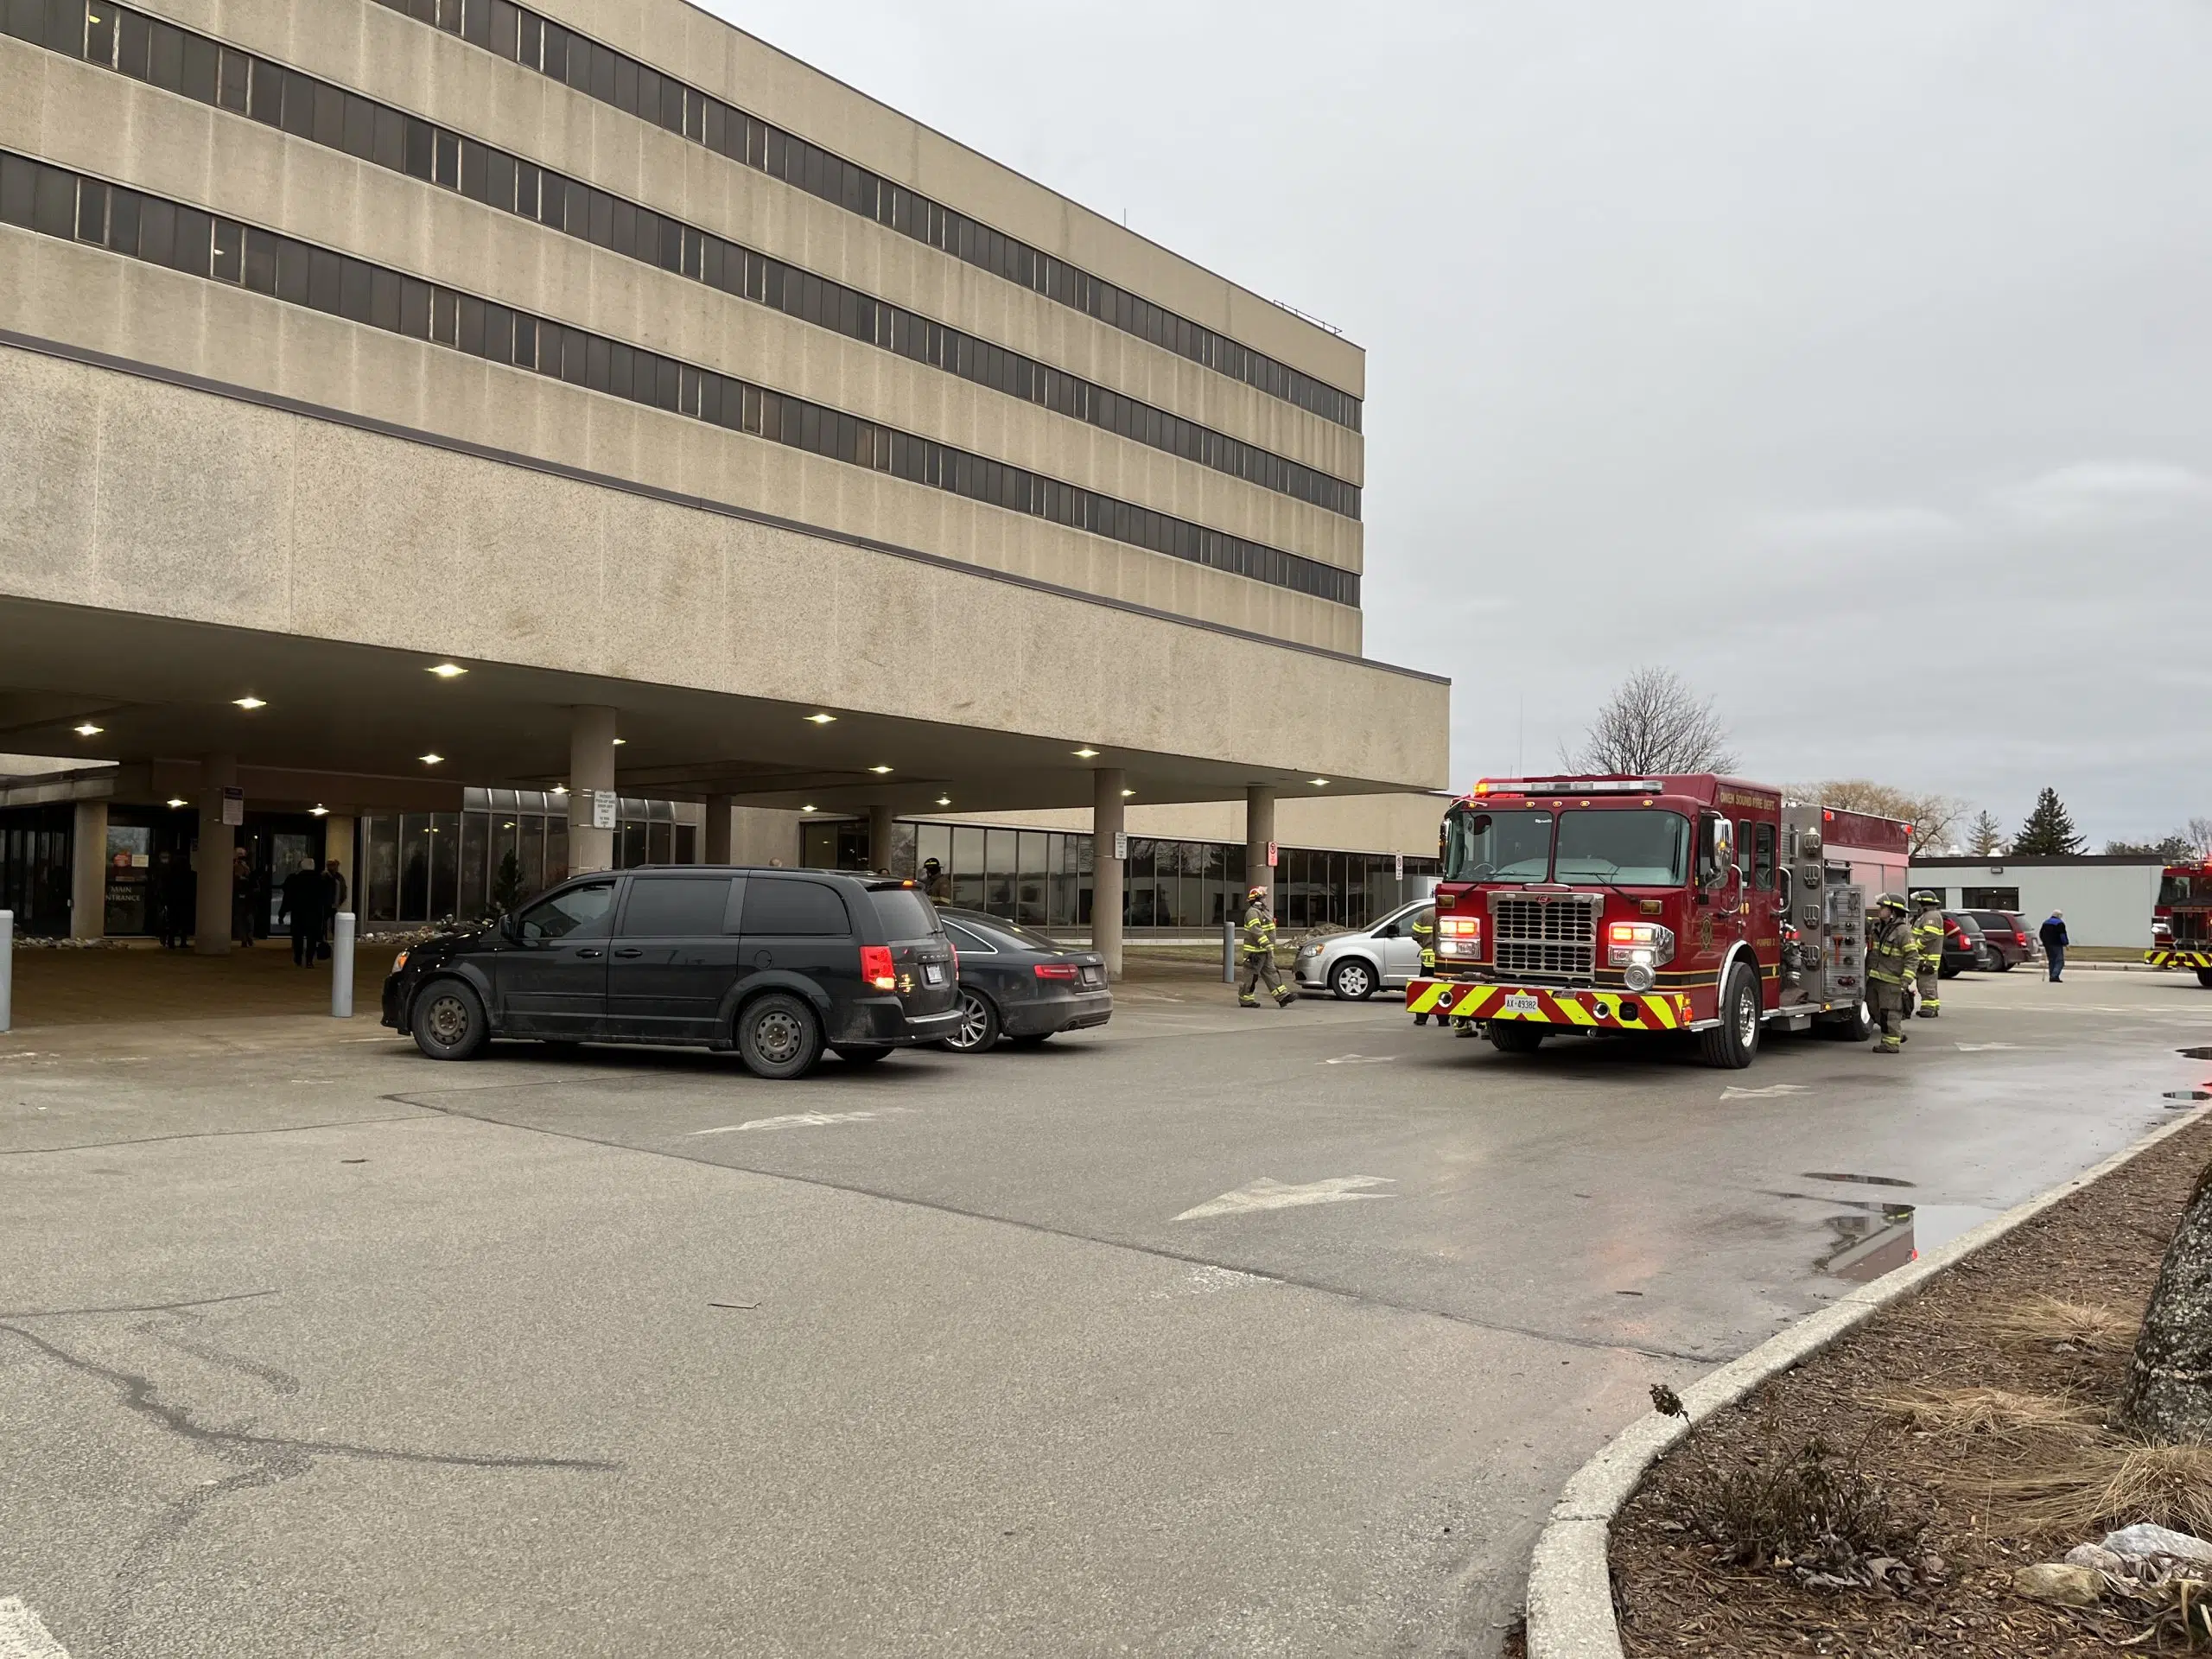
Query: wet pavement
x=1214, y=1331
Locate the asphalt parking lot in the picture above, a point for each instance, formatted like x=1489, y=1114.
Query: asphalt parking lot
x=1215, y=1332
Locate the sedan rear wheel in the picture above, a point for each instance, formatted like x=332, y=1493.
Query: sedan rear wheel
x=979, y=1024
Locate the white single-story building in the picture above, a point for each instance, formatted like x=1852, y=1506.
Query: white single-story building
x=2106, y=898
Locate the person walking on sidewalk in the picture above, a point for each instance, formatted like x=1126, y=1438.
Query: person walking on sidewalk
x=2053, y=935
x=333, y=893
x=1257, y=950
x=306, y=896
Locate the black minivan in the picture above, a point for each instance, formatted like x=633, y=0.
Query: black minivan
x=775, y=963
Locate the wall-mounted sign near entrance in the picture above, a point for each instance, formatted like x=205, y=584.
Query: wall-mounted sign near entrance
x=1400, y=860
x=1122, y=845
x=233, y=806
x=605, y=807
x=1275, y=856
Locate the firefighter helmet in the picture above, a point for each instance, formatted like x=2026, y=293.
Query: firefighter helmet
x=1928, y=899
x=1890, y=901
x=1256, y=893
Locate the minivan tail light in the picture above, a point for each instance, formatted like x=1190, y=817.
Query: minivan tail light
x=1056, y=971
x=876, y=968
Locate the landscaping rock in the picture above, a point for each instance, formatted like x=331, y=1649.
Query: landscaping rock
x=2061, y=1582
x=2097, y=1559
x=2142, y=1541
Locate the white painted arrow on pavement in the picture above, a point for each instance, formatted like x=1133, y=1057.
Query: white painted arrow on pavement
x=23, y=1635
x=1772, y=1091
x=1266, y=1194
x=1361, y=1059
x=1984, y=1048
x=801, y=1120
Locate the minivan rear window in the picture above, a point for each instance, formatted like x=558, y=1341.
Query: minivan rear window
x=791, y=907
x=905, y=913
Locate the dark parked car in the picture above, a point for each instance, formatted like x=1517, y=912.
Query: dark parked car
x=1021, y=985
x=2009, y=941
x=1962, y=944
x=775, y=963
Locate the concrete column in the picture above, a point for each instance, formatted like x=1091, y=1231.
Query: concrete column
x=210, y=929
x=1259, y=830
x=88, y=871
x=879, y=820
x=716, y=841
x=591, y=768
x=1105, y=868
x=338, y=845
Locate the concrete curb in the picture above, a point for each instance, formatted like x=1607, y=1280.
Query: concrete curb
x=1570, y=1582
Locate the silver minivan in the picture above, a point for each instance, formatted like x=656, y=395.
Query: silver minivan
x=1354, y=966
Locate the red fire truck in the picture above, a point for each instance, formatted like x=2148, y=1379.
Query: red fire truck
x=1569, y=905
x=2181, y=923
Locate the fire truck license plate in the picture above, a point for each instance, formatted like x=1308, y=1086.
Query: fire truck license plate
x=1521, y=1003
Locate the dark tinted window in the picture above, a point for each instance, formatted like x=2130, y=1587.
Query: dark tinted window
x=963, y=940
x=794, y=907
x=674, y=906
x=903, y=912
x=580, y=912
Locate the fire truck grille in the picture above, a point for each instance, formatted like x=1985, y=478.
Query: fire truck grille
x=1544, y=939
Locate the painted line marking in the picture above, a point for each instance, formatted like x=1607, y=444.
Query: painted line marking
x=1772, y=1091
x=1361, y=1059
x=1984, y=1048
x=802, y=1120
x=1268, y=1194
x=24, y=1636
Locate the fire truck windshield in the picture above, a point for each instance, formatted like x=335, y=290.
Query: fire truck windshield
x=2185, y=886
x=1642, y=849
x=1483, y=846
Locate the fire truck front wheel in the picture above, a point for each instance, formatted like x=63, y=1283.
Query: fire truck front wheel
x=2204, y=978
x=1732, y=1044
x=1515, y=1036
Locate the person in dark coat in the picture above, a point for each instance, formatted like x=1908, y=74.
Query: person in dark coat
x=306, y=905
x=334, y=885
x=2053, y=935
x=242, y=887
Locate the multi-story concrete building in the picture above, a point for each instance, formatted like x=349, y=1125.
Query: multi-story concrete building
x=400, y=399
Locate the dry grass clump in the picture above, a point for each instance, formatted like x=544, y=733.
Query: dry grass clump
x=2046, y=1319
x=1963, y=1418
x=2108, y=1482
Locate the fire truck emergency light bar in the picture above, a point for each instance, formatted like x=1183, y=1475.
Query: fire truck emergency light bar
x=1567, y=786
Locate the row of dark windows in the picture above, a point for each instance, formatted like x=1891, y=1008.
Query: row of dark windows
x=41, y=197
x=523, y=36
x=177, y=60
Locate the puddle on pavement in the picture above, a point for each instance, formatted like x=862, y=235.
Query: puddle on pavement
x=2195, y=1053
x=2182, y=1097
x=1880, y=1238
x=1864, y=1180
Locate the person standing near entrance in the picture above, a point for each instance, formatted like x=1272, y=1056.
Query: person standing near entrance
x=305, y=905
x=2053, y=935
x=937, y=885
x=333, y=893
x=1928, y=933
x=1257, y=949
x=241, y=898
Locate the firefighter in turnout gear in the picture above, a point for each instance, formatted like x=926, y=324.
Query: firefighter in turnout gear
x=1892, y=958
x=1928, y=929
x=1256, y=951
x=1423, y=929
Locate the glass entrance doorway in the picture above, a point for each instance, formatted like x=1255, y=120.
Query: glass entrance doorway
x=276, y=844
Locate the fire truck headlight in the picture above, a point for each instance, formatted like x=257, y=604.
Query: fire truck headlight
x=1639, y=976
x=1632, y=942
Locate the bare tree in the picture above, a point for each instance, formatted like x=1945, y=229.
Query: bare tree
x=2169, y=1391
x=1985, y=836
x=1934, y=819
x=2199, y=831
x=1654, y=724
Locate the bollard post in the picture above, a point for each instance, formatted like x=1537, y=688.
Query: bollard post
x=341, y=966
x=7, y=969
x=1227, y=951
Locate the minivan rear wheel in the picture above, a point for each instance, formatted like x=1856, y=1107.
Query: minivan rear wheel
x=779, y=1038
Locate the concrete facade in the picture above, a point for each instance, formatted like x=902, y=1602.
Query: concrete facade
x=2107, y=899
x=222, y=497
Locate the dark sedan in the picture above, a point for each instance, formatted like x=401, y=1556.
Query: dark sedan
x=1963, y=946
x=1021, y=985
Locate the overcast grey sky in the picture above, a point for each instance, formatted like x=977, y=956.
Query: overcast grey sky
x=1852, y=360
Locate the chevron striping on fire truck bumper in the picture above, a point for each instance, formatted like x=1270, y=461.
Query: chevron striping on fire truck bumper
x=1598, y=1010
x=2197, y=959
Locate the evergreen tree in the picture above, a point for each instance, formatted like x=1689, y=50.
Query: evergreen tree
x=1984, y=837
x=2048, y=832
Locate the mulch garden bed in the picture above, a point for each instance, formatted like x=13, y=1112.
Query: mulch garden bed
x=2021, y=1316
